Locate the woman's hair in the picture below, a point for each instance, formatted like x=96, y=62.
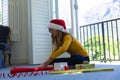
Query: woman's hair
x=58, y=40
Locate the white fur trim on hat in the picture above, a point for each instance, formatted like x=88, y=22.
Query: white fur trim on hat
x=57, y=27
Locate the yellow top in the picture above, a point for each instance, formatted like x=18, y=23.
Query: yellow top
x=70, y=45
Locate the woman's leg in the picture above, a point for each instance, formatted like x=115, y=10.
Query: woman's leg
x=78, y=59
x=61, y=60
x=5, y=58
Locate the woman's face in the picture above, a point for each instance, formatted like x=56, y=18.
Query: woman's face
x=53, y=32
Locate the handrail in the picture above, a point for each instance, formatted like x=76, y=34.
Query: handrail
x=102, y=40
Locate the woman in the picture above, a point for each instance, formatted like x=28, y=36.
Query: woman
x=64, y=42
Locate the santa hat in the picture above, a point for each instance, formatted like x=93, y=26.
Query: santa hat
x=58, y=24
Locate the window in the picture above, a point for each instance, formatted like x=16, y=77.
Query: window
x=4, y=12
x=92, y=11
x=62, y=10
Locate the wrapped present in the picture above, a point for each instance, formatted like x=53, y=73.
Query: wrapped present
x=61, y=66
x=84, y=66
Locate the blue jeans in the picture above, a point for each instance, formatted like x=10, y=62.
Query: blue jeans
x=1, y=59
x=77, y=59
x=4, y=46
x=74, y=59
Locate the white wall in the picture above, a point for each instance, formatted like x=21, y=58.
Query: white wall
x=40, y=46
x=28, y=20
x=18, y=21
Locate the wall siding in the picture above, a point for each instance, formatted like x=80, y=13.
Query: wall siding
x=40, y=36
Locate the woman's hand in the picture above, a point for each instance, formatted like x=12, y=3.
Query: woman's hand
x=46, y=63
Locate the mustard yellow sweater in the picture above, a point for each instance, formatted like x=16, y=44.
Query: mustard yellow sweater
x=70, y=45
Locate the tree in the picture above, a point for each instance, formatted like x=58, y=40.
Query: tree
x=96, y=48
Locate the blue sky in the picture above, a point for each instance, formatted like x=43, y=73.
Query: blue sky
x=85, y=5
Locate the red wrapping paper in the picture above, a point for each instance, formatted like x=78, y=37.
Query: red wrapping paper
x=25, y=69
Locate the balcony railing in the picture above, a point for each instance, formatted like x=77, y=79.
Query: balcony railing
x=102, y=40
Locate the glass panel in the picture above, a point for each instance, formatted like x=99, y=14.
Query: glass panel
x=64, y=11
x=5, y=12
x=92, y=11
x=54, y=10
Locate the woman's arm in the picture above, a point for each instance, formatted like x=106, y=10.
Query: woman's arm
x=66, y=43
x=46, y=63
x=58, y=51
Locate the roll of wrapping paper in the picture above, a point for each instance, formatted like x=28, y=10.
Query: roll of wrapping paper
x=25, y=69
x=82, y=70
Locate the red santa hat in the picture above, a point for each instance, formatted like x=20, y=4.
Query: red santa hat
x=58, y=24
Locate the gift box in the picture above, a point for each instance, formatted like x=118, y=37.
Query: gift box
x=61, y=66
x=84, y=66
